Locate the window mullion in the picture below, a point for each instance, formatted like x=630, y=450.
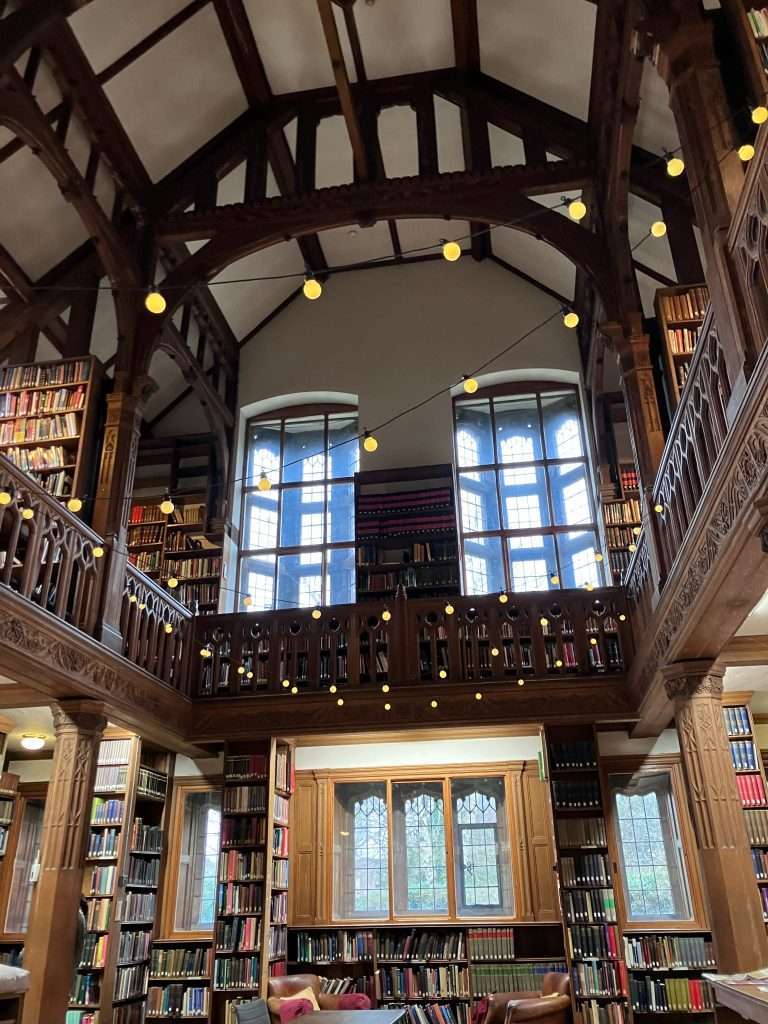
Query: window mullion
x=450, y=874
x=502, y=545
x=390, y=852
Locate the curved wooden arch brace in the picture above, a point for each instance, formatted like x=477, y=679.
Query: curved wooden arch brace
x=493, y=198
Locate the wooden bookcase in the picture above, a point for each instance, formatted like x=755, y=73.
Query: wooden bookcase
x=390, y=962
x=623, y=521
x=752, y=43
x=121, y=880
x=62, y=460
x=680, y=312
x=751, y=780
x=405, y=533
x=9, y=787
x=180, y=979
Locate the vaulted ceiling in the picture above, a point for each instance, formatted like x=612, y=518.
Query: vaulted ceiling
x=189, y=85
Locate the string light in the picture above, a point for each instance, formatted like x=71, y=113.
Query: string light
x=386, y=615
x=98, y=551
x=385, y=688
x=286, y=683
x=172, y=583
x=478, y=696
x=577, y=210
x=166, y=505
x=451, y=251
x=494, y=652
x=637, y=530
x=622, y=617
x=247, y=600
x=598, y=556
x=746, y=152
x=571, y=320
x=675, y=166
x=312, y=288
x=521, y=682
x=154, y=302
x=449, y=609
x=759, y=115
x=241, y=670
x=74, y=504
x=264, y=483
x=433, y=703
x=294, y=690
x=442, y=674
x=470, y=385
x=387, y=707
x=333, y=688
x=249, y=675
x=340, y=702
x=632, y=547
x=28, y=513
x=168, y=628
x=554, y=579
x=658, y=229
x=503, y=598
x=369, y=442
x=658, y=507
x=5, y=498
x=316, y=613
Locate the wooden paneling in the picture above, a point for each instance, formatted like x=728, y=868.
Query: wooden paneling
x=540, y=846
x=305, y=853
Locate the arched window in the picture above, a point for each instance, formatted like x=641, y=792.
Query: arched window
x=419, y=862
x=526, y=510
x=361, y=850
x=297, y=538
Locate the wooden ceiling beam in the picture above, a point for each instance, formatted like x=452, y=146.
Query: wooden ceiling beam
x=22, y=28
x=344, y=89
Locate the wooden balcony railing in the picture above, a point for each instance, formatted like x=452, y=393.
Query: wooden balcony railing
x=547, y=635
x=748, y=247
x=47, y=553
x=154, y=629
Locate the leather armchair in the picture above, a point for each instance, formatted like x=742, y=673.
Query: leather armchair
x=516, y=1007
x=290, y=984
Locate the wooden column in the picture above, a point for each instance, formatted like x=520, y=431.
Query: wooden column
x=644, y=419
x=49, y=949
x=734, y=909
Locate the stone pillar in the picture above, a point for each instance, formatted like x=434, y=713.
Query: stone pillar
x=734, y=908
x=50, y=944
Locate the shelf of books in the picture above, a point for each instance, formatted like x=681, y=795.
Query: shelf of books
x=48, y=414
x=680, y=312
x=751, y=783
x=437, y=973
x=176, y=547
x=406, y=536
x=9, y=786
x=623, y=523
x=120, y=881
x=180, y=979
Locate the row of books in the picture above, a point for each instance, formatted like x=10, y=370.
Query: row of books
x=573, y=832
x=757, y=826
x=279, y=907
x=180, y=962
x=681, y=374
x=94, y=952
x=38, y=458
x=151, y=533
x=618, y=561
x=280, y=873
x=177, y=1001
x=130, y=981
x=590, y=1011
x=277, y=940
x=576, y=793
x=99, y=915
x=240, y=898
x=41, y=403
x=421, y=982
x=243, y=832
x=421, y=551
x=246, y=766
x=669, y=995
x=743, y=755
x=340, y=986
x=403, y=502
x=187, y=515
x=49, y=428
x=573, y=754
x=737, y=721
x=590, y=940
x=764, y=901
x=85, y=989
x=6, y=811
x=591, y=905
x=111, y=778
x=146, y=561
x=437, y=1013
x=758, y=21
x=408, y=576
x=151, y=783
x=238, y=866
x=103, y=842
x=490, y=978
x=622, y=513
x=114, y=751
x=688, y=305
x=668, y=951
x=600, y=978
x=328, y=947
x=280, y=841
x=491, y=943
x=280, y=809
x=628, y=478
x=243, y=934
x=585, y=869
x=134, y=945
x=751, y=790
x=146, y=514
x=236, y=972
x=81, y=1017
x=146, y=838
x=71, y=371
x=419, y=944
x=203, y=593
x=284, y=774
x=139, y=907
x=245, y=799
x=143, y=870
x=682, y=340
x=58, y=485
x=193, y=567
x=620, y=536
x=107, y=812
x=100, y=881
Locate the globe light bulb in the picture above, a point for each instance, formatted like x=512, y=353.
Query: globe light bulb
x=316, y=613
x=746, y=152
x=385, y=688
x=241, y=670
x=98, y=551
x=503, y=598
x=571, y=320
x=167, y=506
x=74, y=504
x=312, y=288
x=554, y=579
x=286, y=683
x=340, y=702
x=433, y=703
x=658, y=507
x=494, y=652
x=478, y=696
x=294, y=690
x=168, y=628
x=264, y=483
x=558, y=663
x=442, y=674
x=622, y=617
x=172, y=583
x=5, y=498
x=247, y=601
x=632, y=547
x=333, y=688
x=521, y=682
x=451, y=251
x=675, y=166
x=658, y=229
x=33, y=742
x=155, y=303
x=470, y=385
x=449, y=609
x=759, y=115
x=133, y=599
x=577, y=210
x=29, y=513
x=387, y=707
x=598, y=556
x=386, y=615
x=369, y=442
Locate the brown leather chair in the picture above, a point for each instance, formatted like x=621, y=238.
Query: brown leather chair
x=513, y=1007
x=288, y=985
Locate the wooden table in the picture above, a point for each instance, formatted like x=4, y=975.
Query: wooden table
x=745, y=998
x=354, y=1016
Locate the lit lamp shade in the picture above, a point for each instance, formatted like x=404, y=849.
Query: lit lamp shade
x=33, y=742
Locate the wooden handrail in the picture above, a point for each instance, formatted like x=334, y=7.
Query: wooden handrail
x=155, y=629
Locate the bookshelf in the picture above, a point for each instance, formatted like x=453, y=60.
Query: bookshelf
x=180, y=979
x=9, y=787
x=429, y=967
x=406, y=536
x=622, y=517
x=120, y=881
x=751, y=783
x=48, y=417
x=680, y=312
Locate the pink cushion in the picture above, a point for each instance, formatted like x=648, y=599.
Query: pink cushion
x=290, y=1009
x=354, y=1001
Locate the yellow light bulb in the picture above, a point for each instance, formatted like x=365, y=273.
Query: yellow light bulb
x=370, y=443
x=133, y=599
x=637, y=530
x=5, y=498
x=142, y=607
x=622, y=617
x=494, y=652
x=340, y=702
x=155, y=303
x=451, y=251
x=589, y=586
x=632, y=547
x=675, y=167
x=658, y=507
x=386, y=615
x=28, y=513
x=312, y=288
x=264, y=483
x=577, y=210
x=172, y=583
x=249, y=675
x=543, y=621
x=204, y=652
x=294, y=690
x=241, y=670
x=598, y=556
x=433, y=703
x=658, y=229
x=442, y=674
x=478, y=696
x=760, y=115
x=593, y=641
x=385, y=688
x=571, y=320
x=470, y=385
x=286, y=683
x=503, y=598
x=98, y=551
x=521, y=682
x=168, y=628
x=555, y=579
x=316, y=613
x=746, y=152
x=247, y=600
x=449, y=609
x=333, y=688
x=74, y=504
x=167, y=506
x=387, y=707
x=558, y=664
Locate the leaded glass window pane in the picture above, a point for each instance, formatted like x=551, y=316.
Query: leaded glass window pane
x=481, y=847
x=361, y=850
x=421, y=877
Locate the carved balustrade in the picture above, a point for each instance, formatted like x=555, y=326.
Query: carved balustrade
x=155, y=629
x=748, y=247
x=548, y=635
x=47, y=553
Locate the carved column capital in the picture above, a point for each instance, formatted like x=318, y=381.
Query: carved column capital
x=80, y=716
x=687, y=679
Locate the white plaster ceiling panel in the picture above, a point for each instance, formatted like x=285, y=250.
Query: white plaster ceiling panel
x=507, y=150
x=46, y=92
x=543, y=47
x=756, y=623
x=290, y=40
x=653, y=252
x=185, y=418
x=450, y=149
x=29, y=721
x=166, y=374
x=109, y=28
x=246, y=305
x=346, y=50
x=655, y=129
x=647, y=287
x=355, y=244
x=425, y=234
x=104, y=336
x=45, y=351
x=398, y=37
x=232, y=186
x=537, y=259
x=39, y=228
x=398, y=141
x=179, y=94
x=334, y=153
